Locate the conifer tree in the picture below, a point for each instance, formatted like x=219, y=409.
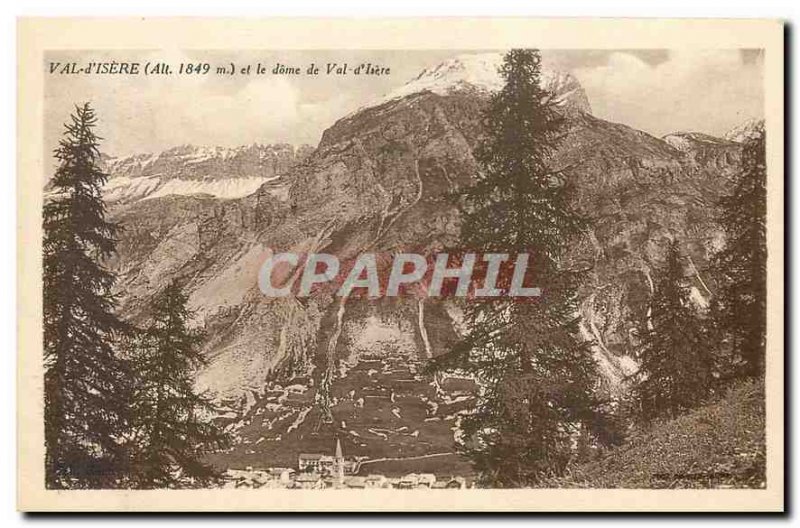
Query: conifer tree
x=676, y=360
x=83, y=409
x=172, y=430
x=536, y=372
x=741, y=266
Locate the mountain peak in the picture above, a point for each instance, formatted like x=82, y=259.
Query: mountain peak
x=746, y=130
x=481, y=72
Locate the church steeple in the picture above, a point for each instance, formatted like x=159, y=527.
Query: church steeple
x=339, y=462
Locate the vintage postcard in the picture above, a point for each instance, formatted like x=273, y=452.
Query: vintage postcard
x=400, y=265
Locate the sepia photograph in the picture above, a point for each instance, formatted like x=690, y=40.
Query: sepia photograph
x=524, y=268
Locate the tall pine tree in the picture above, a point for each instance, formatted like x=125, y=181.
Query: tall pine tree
x=741, y=267
x=172, y=430
x=83, y=409
x=536, y=372
x=676, y=360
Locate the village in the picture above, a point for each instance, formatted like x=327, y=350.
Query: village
x=318, y=471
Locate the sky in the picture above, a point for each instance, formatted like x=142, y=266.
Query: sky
x=658, y=91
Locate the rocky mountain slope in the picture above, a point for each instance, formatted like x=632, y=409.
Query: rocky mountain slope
x=294, y=373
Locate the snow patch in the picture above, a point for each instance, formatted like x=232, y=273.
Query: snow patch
x=124, y=188
x=225, y=189
x=747, y=130
x=697, y=298
x=300, y=419
x=377, y=336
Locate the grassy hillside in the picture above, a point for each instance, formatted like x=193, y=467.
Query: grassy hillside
x=721, y=444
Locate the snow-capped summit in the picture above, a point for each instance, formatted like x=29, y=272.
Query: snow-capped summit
x=747, y=130
x=481, y=72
